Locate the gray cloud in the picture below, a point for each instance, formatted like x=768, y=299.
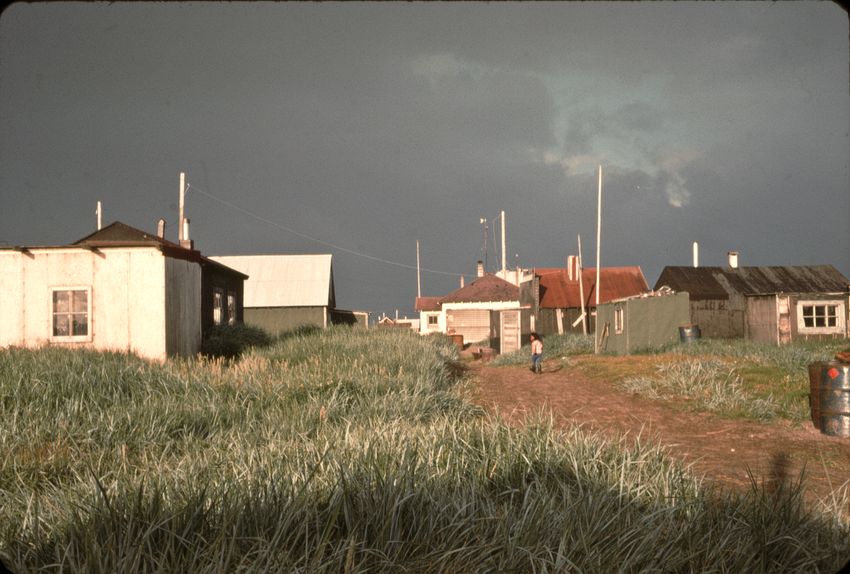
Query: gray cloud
x=371, y=125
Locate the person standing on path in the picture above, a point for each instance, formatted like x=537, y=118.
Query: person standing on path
x=536, y=353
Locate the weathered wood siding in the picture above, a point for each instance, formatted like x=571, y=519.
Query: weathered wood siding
x=720, y=318
x=182, y=307
x=547, y=321
x=762, y=319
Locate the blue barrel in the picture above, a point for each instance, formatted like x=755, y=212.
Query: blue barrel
x=689, y=333
x=830, y=398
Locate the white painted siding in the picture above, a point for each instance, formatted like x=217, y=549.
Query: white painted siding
x=13, y=325
x=127, y=297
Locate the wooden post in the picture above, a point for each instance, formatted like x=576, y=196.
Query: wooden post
x=182, y=196
x=418, y=276
x=581, y=289
x=598, y=251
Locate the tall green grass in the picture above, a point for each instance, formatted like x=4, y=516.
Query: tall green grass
x=349, y=451
x=793, y=357
x=738, y=378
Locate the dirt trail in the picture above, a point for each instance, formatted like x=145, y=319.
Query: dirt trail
x=720, y=449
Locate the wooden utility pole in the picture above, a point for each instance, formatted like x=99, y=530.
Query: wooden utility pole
x=182, y=200
x=581, y=289
x=598, y=251
x=418, y=275
x=504, y=260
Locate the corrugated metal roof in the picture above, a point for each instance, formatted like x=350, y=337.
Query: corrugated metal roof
x=558, y=292
x=484, y=289
x=719, y=282
x=285, y=280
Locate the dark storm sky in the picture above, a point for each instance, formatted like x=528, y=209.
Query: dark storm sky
x=357, y=129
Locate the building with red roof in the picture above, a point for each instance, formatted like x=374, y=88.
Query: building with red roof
x=560, y=292
x=467, y=310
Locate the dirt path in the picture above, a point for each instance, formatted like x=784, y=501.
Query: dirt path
x=722, y=450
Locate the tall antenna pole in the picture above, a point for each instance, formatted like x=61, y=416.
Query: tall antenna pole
x=99, y=216
x=483, y=222
x=504, y=260
x=182, y=200
x=418, y=276
x=598, y=251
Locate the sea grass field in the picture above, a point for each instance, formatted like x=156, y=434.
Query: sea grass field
x=353, y=451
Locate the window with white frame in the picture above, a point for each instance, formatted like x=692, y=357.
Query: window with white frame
x=433, y=321
x=70, y=311
x=820, y=317
x=618, y=320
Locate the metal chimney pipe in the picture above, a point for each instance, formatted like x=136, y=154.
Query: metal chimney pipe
x=186, y=243
x=572, y=267
x=733, y=259
x=160, y=228
x=480, y=269
x=696, y=254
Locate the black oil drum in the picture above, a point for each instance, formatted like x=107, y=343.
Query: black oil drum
x=689, y=333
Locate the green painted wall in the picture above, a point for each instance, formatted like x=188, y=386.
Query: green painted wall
x=273, y=320
x=647, y=322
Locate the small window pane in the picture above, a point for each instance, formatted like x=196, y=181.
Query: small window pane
x=80, y=301
x=218, y=309
x=80, y=324
x=61, y=301
x=61, y=325
x=231, y=309
x=831, y=315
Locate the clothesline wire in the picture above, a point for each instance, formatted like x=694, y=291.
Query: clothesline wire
x=315, y=239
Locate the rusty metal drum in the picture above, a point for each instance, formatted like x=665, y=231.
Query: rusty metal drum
x=830, y=398
x=689, y=333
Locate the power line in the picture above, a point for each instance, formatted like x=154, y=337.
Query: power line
x=311, y=238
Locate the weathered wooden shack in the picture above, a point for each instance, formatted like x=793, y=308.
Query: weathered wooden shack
x=774, y=304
